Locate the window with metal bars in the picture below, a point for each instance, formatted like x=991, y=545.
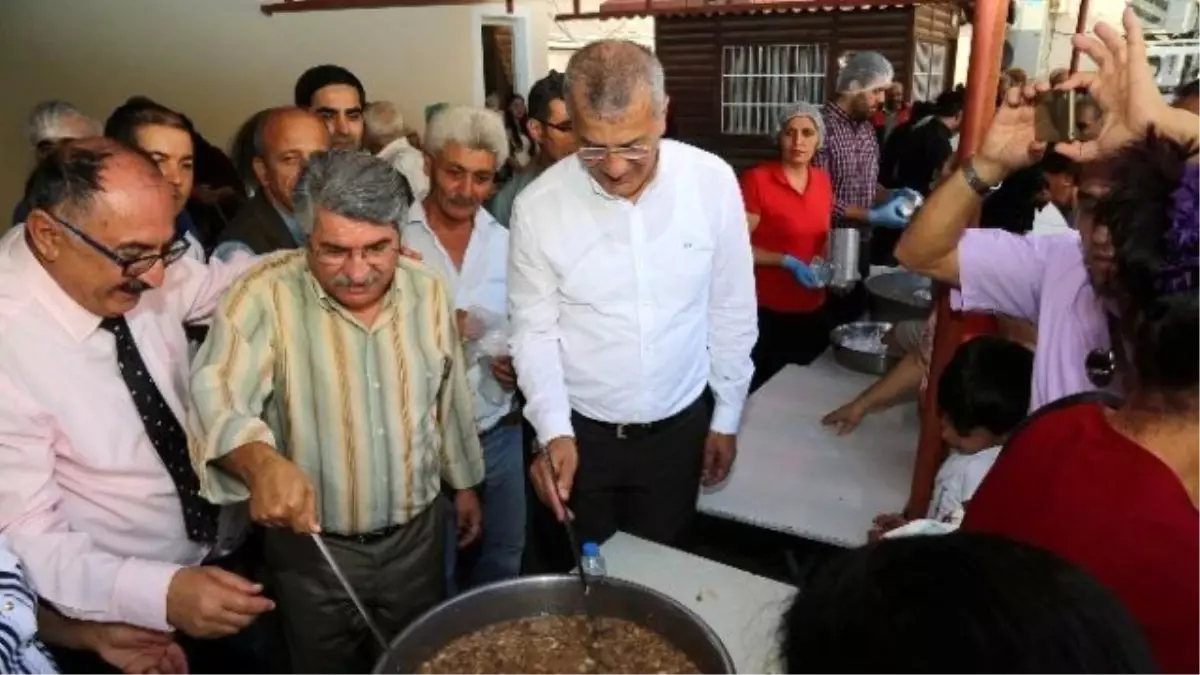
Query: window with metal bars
x=758, y=82
x=929, y=71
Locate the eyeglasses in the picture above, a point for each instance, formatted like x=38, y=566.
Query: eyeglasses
x=593, y=155
x=130, y=267
x=338, y=257
x=565, y=127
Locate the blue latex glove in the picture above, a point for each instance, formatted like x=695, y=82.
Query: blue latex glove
x=803, y=273
x=889, y=215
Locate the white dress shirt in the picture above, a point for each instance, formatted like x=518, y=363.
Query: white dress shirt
x=481, y=283
x=1049, y=220
x=410, y=162
x=86, y=501
x=624, y=311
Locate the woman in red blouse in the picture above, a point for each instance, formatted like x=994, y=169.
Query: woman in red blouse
x=1115, y=489
x=789, y=204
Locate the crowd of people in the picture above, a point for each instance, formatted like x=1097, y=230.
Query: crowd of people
x=400, y=343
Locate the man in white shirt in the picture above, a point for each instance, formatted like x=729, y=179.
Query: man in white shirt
x=98, y=497
x=631, y=290
x=386, y=136
x=459, y=239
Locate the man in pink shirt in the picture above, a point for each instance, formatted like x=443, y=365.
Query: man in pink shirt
x=98, y=497
x=1057, y=282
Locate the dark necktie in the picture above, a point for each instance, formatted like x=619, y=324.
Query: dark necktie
x=165, y=432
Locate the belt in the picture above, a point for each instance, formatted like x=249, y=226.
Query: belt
x=365, y=537
x=512, y=419
x=628, y=430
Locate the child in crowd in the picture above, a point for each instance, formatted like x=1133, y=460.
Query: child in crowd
x=983, y=395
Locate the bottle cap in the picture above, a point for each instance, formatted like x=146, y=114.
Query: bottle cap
x=591, y=549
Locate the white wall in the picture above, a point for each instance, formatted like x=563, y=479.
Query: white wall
x=219, y=61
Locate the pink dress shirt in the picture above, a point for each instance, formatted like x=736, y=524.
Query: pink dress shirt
x=85, y=499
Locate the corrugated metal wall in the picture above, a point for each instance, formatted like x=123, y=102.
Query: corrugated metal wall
x=690, y=48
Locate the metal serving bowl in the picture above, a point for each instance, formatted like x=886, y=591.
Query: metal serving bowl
x=899, y=296
x=871, y=363
x=532, y=596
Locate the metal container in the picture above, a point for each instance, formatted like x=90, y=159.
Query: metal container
x=845, y=246
x=899, y=296
x=532, y=596
x=848, y=349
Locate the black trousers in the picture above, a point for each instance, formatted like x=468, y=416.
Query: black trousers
x=787, y=338
x=547, y=548
x=398, y=576
x=646, y=483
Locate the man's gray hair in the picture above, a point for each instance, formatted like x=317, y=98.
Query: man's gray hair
x=46, y=117
x=352, y=184
x=470, y=127
x=608, y=73
x=382, y=123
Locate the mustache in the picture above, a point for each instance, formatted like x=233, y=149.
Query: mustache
x=463, y=201
x=134, y=287
x=343, y=281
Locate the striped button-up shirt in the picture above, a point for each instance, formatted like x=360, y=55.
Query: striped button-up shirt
x=20, y=650
x=850, y=155
x=374, y=415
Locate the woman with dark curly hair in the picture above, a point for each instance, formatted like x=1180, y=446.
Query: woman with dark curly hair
x=1115, y=490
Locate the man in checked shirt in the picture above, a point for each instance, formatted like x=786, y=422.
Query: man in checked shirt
x=851, y=157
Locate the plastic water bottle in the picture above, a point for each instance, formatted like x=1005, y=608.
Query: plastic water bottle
x=591, y=562
x=910, y=204
x=822, y=271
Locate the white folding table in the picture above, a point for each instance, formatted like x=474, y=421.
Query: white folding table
x=794, y=475
x=743, y=609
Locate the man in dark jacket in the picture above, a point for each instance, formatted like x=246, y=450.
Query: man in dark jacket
x=283, y=142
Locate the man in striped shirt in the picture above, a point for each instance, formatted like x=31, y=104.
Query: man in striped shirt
x=332, y=394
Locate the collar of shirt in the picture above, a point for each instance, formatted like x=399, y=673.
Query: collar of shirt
x=394, y=148
x=290, y=222
x=485, y=235
x=838, y=115
x=78, y=322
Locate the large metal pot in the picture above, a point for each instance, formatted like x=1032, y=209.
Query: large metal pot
x=899, y=296
x=555, y=594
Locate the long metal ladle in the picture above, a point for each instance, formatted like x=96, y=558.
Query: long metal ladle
x=362, y=611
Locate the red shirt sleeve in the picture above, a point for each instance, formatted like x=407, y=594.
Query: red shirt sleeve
x=750, y=193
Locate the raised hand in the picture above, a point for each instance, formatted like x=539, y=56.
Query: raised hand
x=1010, y=143
x=1123, y=87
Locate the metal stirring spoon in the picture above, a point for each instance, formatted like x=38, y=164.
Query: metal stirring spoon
x=570, y=533
x=593, y=631
x=362, y=611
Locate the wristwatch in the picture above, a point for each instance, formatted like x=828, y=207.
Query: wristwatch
x=979, y=185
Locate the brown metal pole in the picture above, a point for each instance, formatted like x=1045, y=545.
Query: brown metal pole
x=1080, y=28
x=983, y=75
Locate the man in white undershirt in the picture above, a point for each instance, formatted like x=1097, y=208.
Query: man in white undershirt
x=631, y=293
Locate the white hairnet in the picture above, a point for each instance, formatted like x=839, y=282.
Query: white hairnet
x=804, y=109
x=865, y=70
